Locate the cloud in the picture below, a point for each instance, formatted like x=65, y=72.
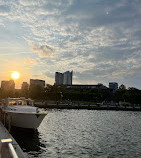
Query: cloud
x=49, y=74
x=43, y=50
x=98, y=39
x=4, y=10
x=30, y=61
x=29, y=2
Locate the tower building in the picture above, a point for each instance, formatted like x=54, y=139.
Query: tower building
x=63, y=78
x=113, y=86
x=59, y=78
x=37, y=82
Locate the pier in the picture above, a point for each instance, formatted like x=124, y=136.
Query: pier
x=7, y=142
x=90, y=106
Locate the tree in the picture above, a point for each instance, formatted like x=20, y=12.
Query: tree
x=120, y=93
x=122, y=87
x=36, y=91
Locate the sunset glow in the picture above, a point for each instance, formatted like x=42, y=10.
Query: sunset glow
x=93, y=38
x=15, y=75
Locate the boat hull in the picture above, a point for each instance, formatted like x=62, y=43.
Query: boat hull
x=23, y=120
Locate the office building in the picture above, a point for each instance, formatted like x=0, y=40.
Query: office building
x=24, y=85
x=63, y=78
x=37, y=82
x=67, y=78
x=59, y=78
x=8, y=85
x=113, y=86
x=80, y=86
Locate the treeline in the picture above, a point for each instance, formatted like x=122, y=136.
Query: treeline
x=62, y=93
x=131, y=95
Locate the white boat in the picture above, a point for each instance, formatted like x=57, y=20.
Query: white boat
x=22, y=112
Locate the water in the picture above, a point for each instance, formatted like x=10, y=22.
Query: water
x=84, y=134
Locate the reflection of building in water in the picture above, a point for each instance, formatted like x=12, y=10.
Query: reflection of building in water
x=6, y=85
x=37, y=82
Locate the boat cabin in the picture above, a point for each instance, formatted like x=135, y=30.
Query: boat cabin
x=17, y=101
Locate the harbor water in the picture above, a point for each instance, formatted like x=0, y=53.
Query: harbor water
x=84, y=134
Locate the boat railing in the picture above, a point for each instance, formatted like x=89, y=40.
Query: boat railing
x=6, y=149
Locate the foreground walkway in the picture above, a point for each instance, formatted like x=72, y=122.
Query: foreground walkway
x=4, y=134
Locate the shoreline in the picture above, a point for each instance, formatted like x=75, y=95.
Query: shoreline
x=90, y=107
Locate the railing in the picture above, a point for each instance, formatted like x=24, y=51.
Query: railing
x=6, y=149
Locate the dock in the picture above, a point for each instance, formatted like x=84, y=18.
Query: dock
x=4, y=134
x=90, y=107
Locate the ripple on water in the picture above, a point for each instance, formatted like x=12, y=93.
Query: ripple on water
x=84, y=133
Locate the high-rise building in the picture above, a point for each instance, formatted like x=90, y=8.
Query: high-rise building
x=59, y=78
x=24, y=85
x=113, y=86
x=25, y=89
x=67, y=78
x=8, y=85
x=63, y=78
x=37, y=82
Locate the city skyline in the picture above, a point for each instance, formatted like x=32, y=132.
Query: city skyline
x=98, y=40
x=6, y=85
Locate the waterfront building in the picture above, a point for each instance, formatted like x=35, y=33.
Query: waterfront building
x=24, y=89
x=8, y=85
x=67, y=78
x=113, y=86
x=63, y=78
x=59, y=78
x=24, y=85
x=37, y=82
x=80, y=86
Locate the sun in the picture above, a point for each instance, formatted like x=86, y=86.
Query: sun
x=15, y=75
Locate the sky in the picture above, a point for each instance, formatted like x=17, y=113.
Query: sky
x=100, y=40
